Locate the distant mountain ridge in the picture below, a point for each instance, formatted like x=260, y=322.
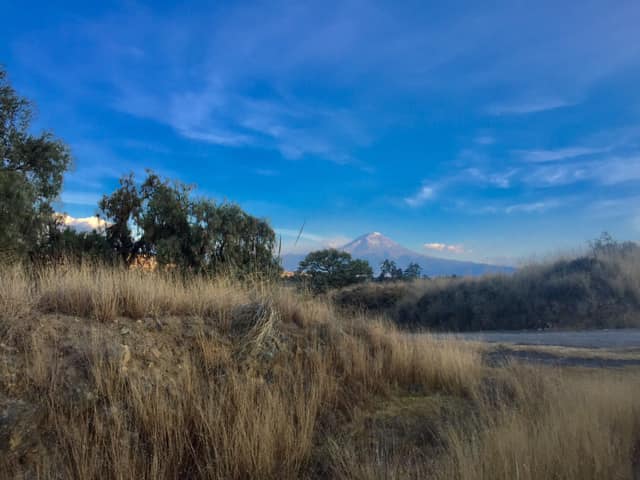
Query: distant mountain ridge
x=375, y=248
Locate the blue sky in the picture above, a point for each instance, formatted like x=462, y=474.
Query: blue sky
x=489, y=131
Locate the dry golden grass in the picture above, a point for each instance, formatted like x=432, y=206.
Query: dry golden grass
x=122, y=374
x=565, y=426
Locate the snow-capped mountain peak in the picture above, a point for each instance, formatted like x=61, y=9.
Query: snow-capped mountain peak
x=375, y=242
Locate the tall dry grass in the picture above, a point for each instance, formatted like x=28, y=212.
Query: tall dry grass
x=532, y=424
x=122, y=374
x=564, y=426
x=139, y=375
x=107, y=293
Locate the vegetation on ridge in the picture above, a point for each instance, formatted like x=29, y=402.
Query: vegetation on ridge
x=597, y=290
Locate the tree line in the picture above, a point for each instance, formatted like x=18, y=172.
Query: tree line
x=156, y=217
x=328, y=269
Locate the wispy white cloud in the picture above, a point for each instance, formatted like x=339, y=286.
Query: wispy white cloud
x=443, y=247
x=496, y=179
x=533, y=207
x=528, y=106
x=216, y=136
x=485, y=140
x=541, y=156
x=608, y=170
x=425, y=193
x=556, y=176
x=530, y=207
x=616, y=170
x=266, y=172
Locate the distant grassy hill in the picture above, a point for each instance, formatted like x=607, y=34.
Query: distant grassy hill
x=598, y=290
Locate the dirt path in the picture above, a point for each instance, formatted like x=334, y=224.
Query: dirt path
x=586, y=348
x=502, y=354
x=621, y=338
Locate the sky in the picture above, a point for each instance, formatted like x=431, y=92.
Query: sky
x=491, y=131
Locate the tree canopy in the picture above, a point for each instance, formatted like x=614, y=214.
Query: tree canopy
x=161, y=218
x=331, y=268
x=412, y=272
x=389, y=271
x=31, y=172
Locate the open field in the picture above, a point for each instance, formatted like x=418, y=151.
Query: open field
x=122, y=374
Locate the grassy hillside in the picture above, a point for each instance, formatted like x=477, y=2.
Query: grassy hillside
x=120, y=374
x=598, y=290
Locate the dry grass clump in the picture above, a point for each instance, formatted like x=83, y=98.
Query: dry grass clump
x=580, y=426
x=386, y=458
x=15, y=292
x=229, y=425
x=107, y=293
x=441, y=364
x=528, y=423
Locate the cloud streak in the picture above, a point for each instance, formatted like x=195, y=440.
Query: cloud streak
x=543, y=156
x=425, y=193
x=533, y=207
x=443, y=247
x=528, y=106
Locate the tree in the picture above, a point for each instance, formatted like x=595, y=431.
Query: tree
x=412, y=272
x=227, y=238
x=607, y=246
x=160, y=218
x=122, y=208
x=389, y=271
x=31, y=174
x=331, y=268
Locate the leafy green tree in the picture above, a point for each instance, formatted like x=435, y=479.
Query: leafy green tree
x=229, y=239
x=412, y=272
x=389, y=271
x=164, y=221
x=122, y=209
x=160, y=218
x=31, y=174
x=331, y=268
